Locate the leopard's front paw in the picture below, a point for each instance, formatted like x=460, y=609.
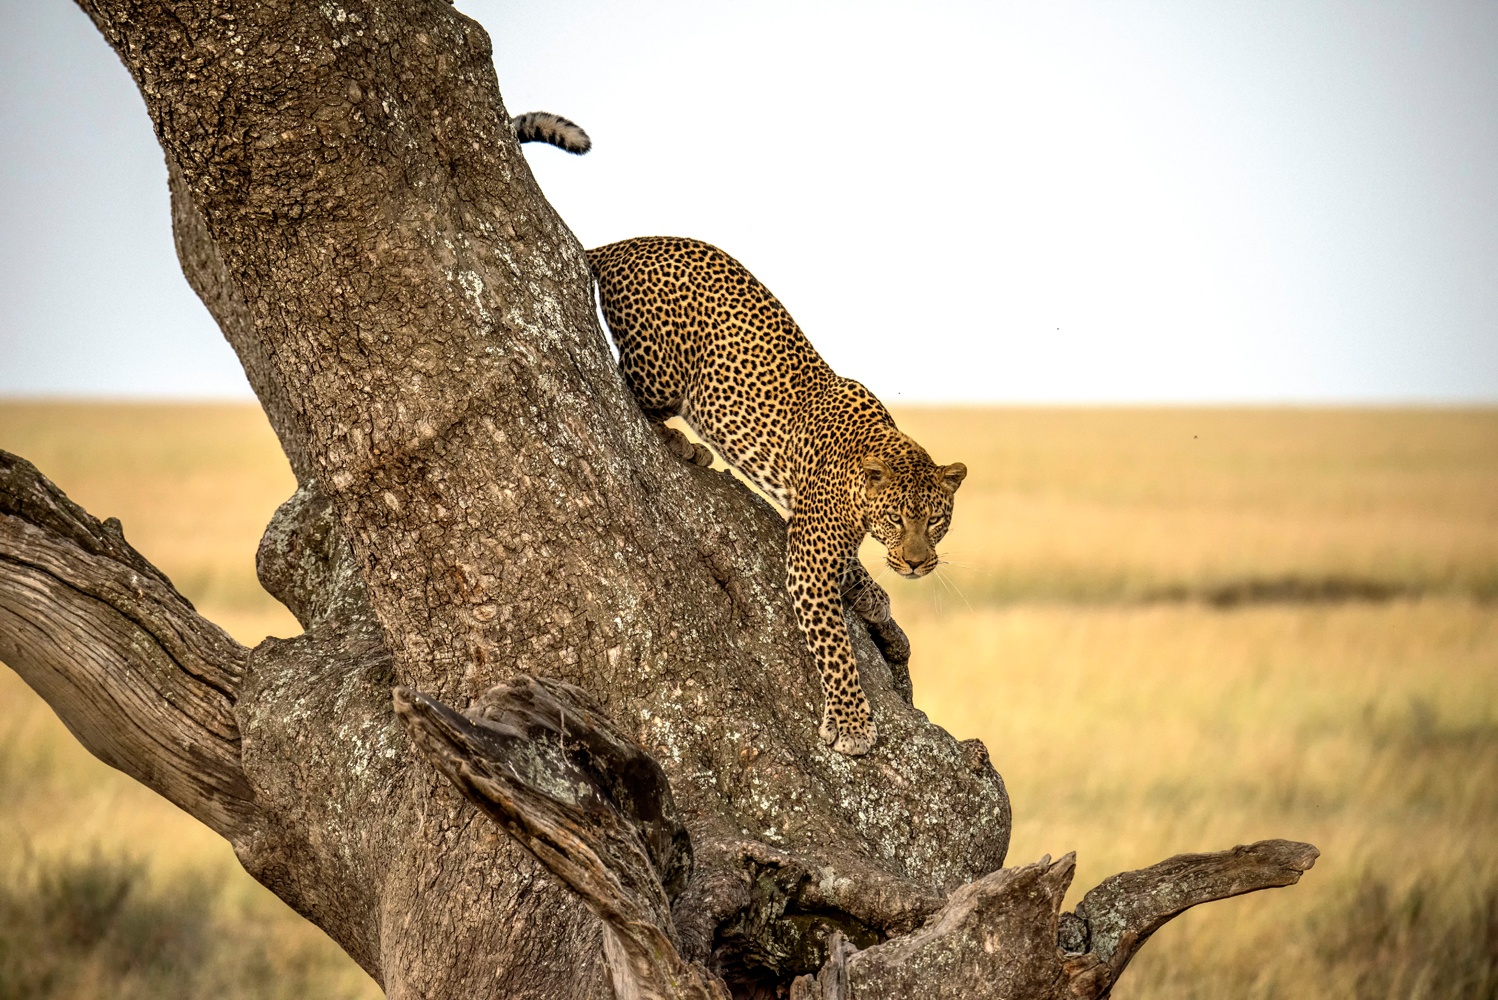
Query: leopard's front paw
x=870, y=602
x=852, y=736
x=856, y=743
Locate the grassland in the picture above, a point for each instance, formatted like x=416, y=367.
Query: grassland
x=1175, y=630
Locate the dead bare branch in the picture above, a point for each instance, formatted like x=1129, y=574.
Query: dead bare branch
x=143, y=681
x=1117, y=916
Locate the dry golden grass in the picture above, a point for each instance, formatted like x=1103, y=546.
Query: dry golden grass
x=1131, y=733
x=1124, y=503
x=1130, y=723
x=194, y=487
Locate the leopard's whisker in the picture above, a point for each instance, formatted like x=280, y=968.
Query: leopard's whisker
x=936, y=604
x=952, y=586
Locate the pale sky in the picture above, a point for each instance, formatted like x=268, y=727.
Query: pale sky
x=1106, y=201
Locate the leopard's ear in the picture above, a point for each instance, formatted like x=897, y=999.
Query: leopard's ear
x=951, y=476
x=876, y=474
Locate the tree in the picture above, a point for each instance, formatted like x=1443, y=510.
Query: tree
x=633, y=796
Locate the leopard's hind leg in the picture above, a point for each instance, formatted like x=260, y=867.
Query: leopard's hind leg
x=681, y=446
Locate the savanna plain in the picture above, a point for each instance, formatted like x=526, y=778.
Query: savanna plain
x=1175, y=629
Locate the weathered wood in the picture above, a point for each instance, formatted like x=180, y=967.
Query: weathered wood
x=144, y=682
x=995, y=937
x=594, y=808
x=587, y=802
x=1117, y=916
x=1003, y=936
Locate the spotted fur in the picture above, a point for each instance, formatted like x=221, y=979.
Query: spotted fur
x=698, y=336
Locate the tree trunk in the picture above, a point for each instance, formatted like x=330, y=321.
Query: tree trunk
x=481, y=503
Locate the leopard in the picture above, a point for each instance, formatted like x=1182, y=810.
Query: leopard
x=701, y=338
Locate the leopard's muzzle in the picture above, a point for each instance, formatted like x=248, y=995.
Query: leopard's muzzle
x=914, y=557
x=908, y=571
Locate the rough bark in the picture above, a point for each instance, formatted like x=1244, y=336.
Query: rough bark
x=595, y=809
x=588, y=803
x=479, y=500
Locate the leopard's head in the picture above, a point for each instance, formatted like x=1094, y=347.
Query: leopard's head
x=909, y=504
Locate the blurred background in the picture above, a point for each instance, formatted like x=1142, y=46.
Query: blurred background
x=1207, y=304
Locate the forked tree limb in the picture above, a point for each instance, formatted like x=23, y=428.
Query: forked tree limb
x=1003, y=935
x=140, y=678
x=1117, y=916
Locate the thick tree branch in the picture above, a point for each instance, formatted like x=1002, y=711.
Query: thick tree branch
x=144, y=682
x=1117, y=916
x=998, y=937
x=995, y=937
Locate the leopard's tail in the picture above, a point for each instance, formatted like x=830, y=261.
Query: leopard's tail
x=543, y=126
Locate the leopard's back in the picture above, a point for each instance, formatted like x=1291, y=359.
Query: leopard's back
x=700, y=336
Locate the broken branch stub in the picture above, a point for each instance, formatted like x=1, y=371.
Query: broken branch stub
x=1003, y=935
x=586, y=801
